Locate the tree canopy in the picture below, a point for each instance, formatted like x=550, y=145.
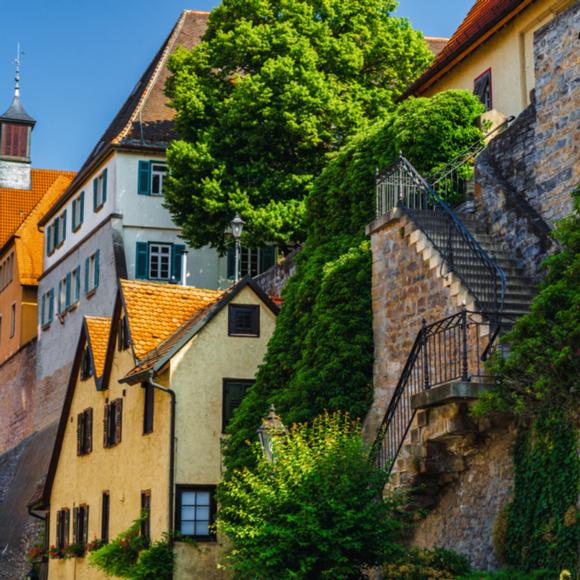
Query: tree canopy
x=273, y=89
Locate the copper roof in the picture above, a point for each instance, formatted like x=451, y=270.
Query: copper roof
x=155, y=311
x=16, y=204
x=145, y=119
x=483, y=20
x=98, y=330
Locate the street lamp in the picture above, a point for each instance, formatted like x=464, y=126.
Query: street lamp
x=237, y=227
x=270, y=428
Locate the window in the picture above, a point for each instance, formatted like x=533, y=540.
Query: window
x=86, y=365
x=152, y=176
x=148, y=407
x=76, y=285
x=105, y=509
x=123, y=334
x=195, y=511
x=244, y=320
x=146, y=522
x=62, y=228
x=85, y=432
x=92, y=272
x=78, y=211
x=253, y=261
x=233, y=393
x=14, y=140
x=12, y=319
x=113, y=420
x=62, y=296
x=100, y=191
x=81, y=525
x=7, y=271
x=482, y=89
x=47, y=308
x=62, y=528
x=158, y=261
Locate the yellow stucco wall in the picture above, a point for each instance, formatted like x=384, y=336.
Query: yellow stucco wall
x=197, y=372
x=509, y=54
x=138, y=463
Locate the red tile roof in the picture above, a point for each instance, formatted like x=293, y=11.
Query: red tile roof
x=98, y=329
x=16, y=204
x=145, y=120
x=483, y=20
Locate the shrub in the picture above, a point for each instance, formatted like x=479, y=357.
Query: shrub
x=423, y=564
x=316, y=512
x=156, y=562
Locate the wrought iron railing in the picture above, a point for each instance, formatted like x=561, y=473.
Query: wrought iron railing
x=400, y=185
x=444, y=351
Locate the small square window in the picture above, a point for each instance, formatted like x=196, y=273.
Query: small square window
x=244, y=320
x=234, y=392
x=196, y=511
x=159, y=261
x=482, y=89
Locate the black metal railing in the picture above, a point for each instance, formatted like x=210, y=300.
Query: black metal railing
x=401, y=185
x=444, y=351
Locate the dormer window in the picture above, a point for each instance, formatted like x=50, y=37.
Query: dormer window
x=14, y=140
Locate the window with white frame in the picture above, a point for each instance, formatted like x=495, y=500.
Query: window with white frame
x=100, y=190
x=159, y=261
x=47, y=308
x=61, y=297
x=158, y=175
x=92, y=272
x=78, y=211
x=76, y=285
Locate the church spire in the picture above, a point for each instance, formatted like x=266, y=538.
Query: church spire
x=17, y=62
x=16, y=111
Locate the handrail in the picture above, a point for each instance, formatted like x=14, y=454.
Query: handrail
x=444, y=351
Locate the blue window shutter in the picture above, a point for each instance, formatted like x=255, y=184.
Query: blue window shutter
x=104, y=186
x=50, y=304
x=77, y=278
x=141, y=261
x=47, y=235
x=56, y=226
x=82, y=210
x=95, y=189
x=74, y=215
x=87, y=265
x=63, y=226
x=144, y=180
x=177, y=257
x=267, y=258
x=42, y=309
x=231, y=262
x=68, y=289
x=97, y=260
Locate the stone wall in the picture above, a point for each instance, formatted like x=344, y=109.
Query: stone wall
x=274, y=279
x=525, y=176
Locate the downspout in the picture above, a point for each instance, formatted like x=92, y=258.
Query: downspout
x=171, y=393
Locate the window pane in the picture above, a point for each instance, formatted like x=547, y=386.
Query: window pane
x=202, y=498
x=202, y=529
x=202, y=514
x=187, y=528
x=188, y=498
x=187, y=513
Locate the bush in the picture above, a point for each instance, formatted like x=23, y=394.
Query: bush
x=156, y=562
x=316, y=512
x=422, y=564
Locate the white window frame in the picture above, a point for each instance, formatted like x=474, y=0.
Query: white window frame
x=76, y=214
x=92, y=271
x=100, y=183
x=46, y=309
x=61, y=298
x=158, y=170
x=75, y=286
x=155, y=251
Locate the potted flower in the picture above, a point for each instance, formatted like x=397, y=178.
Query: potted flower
x=74, y=551
x=36, y=553
x=55, y=552
x=95, y=544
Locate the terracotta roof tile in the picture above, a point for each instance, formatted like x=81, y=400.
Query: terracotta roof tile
x=156, y=311
x=481, y=19
x=16, y=204
x=436, y=44
x=99, y=329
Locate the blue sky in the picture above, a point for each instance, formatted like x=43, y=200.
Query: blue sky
x=83, y=58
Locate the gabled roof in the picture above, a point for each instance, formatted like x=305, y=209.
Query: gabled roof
x=145, y=120
x=484, y=19
x=16, y=204
x=98, y=329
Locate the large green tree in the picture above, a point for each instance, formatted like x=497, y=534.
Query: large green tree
x=274, y=88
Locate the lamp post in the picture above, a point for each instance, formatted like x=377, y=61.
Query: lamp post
x=237, y=227
x=271, y=427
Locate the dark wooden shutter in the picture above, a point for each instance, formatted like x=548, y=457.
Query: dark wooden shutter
x=231, y=262
x=59, y=529
x=104, y=186
x=80, y=429
x=144, y=181
x=85, y=530
x=141, y=261
x=66, y=527
x=149, y=405
x=89, y=430
x=118, y=419
x=105, y=518
x=97, y=267
x=267, y=258
x=177, y=251
x=234, y=392
x=106, y=419
x=95, y=192
x=75, y=525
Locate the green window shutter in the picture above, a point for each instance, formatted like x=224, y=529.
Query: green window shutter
x=74, y=215
x=47, y=234
x=141, y=261
x=77, y=283
x=56, y=229
x=68, y=289
x=97, y=267
x=95, y=189
x=144, y=180
x=82, y=209
x=63, y=226
x=177, y=257
x=234, y=392
x=42, y=310
x=231, y=262
x=267, y=257
x=104, y=186
x=50, y=304
x=87, y=266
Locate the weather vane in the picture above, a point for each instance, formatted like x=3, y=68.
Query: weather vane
x=17, y=62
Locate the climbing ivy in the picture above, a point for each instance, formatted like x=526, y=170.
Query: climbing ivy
x=321, y=354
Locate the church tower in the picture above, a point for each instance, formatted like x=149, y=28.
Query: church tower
x=15, y=129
